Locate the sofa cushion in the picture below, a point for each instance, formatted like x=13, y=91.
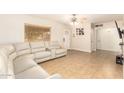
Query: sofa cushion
x=26, y=56
x=54, y=45
x=42, y=54
x=37, y=44
x=60, y=51
x=35, y=72
x=11, y=56
x=3, y=63
x=23, y=52
x=22, y=65
x=22, y=48
x=39, y=60
x=38, y=49
x=9, y=47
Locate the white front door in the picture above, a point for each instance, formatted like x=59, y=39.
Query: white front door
x=66, y=39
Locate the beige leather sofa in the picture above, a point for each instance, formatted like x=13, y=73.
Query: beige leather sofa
x=20, y=60
x=40, y=51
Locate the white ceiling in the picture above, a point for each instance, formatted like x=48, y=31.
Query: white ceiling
x=94, y=18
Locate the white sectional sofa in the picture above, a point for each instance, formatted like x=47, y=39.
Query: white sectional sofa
x=20, y=60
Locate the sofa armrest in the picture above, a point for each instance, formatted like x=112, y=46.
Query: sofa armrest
x=55, y=76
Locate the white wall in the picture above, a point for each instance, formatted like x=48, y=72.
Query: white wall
x=82, y=43
x=12, y=27
x=108, y=36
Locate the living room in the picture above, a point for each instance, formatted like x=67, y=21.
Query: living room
x=61, y=46
x=73, y=46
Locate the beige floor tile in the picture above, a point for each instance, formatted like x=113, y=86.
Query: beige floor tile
x=82, y=65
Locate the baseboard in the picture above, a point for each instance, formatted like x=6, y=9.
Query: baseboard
x=109, y=50
x=81, y=50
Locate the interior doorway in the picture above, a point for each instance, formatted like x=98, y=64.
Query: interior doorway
x=106, y=38
x=98, y=38
x=95, y=38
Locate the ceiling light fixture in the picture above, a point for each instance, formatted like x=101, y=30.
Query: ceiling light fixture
x=73, y=19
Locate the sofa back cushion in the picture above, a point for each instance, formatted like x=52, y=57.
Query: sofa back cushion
x=3, y=63
x=54, y=44
x=10, y=51
x=22, y=48
x=37, y=46
x=11, y=55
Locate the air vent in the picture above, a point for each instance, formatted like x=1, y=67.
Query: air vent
x=99, y=25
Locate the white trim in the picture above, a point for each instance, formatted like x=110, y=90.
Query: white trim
x=80, y=50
